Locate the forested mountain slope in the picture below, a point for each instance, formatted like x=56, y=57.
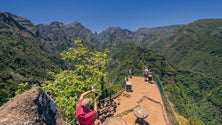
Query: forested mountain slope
x=197, y=52
x=114, y=36
x=158, y=38
x=193, y=81
x=131, y=56
x=193, y=95
x=199, y=48
x=28, y=52
x=22, y=58
x=61, y=36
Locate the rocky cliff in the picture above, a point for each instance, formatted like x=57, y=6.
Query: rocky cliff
x=33, y=107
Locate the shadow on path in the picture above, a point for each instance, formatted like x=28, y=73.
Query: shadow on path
x=141, y=122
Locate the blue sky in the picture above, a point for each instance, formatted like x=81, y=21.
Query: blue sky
x=98, y=15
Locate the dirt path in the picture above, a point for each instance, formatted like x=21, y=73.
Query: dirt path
x=145, y=95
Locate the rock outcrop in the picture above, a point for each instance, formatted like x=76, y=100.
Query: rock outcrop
x=33, y=107
x=12, y=24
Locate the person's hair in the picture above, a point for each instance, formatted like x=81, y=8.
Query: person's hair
x=86, y=102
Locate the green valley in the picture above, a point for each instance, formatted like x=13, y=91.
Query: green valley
x=186, y=58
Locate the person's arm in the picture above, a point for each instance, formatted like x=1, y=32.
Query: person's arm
x=84, y=94
x=95, y=104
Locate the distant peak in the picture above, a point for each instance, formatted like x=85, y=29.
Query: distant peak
x=5, y=13
x=74, y=24
x=57, y=23
x=114, y=28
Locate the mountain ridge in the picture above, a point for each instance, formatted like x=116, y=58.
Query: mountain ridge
x=28, y=52
x=202, y=47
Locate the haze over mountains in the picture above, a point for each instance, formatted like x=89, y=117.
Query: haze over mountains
x=28, y=52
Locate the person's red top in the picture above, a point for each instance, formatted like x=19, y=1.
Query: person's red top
x=85, y=118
